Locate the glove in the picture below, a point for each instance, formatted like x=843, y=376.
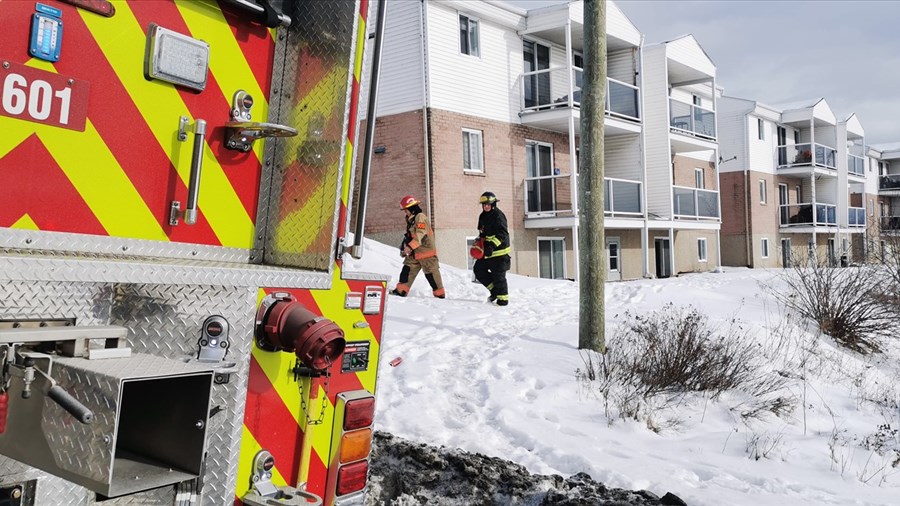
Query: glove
x=488, y=249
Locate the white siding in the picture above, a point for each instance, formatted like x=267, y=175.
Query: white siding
x=622, y=66
x=762, y=152
x=826, y=191
x=486, y=86
x=686, y=50
x=731, y=116
x=622, y=157
x=400, y=82
x=656, y=132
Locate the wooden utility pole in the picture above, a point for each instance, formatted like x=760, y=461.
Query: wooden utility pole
x=592, y=237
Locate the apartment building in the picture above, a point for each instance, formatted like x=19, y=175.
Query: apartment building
x=884, y=189
x=794, y=184
x=481, y=96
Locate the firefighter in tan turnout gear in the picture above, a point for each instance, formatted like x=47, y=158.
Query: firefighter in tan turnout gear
x=418, y=251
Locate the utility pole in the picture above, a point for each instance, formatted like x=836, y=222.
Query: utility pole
x=592, y=237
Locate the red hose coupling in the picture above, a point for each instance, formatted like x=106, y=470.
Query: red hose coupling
x=284, y=324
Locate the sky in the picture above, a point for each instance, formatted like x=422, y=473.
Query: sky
x=502, y=381
x=779, y=52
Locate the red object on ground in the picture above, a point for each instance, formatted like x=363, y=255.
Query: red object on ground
x=396, y=361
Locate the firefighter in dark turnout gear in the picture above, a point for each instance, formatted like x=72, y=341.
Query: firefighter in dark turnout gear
x=418, y=251
x=493, y=232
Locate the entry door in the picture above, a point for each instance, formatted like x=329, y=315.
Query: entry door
x=614, y=256
x=552, y=258
x=783, y=201
x=663, y=258
x=537, y=86
x=785, y=253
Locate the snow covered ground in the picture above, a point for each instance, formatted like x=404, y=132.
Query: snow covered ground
x=502, y=381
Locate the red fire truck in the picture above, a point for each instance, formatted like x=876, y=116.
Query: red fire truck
x=176, y=325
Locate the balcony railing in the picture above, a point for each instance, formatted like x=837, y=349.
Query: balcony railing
x=552, y=196
x=549, y=88
x=695, y=203
x=890, y=223
x=622, y=197
x=856, y=165
x=803, y=215
x=889, y=182
x=856, y=217
x=692, y=119
x=548, y=195
x=793, y=155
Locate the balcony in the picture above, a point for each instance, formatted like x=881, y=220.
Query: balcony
x=856, y=165
x=801, y=155
x=889, y=184
x=548, y=200
x=622, y=198
x=692, y=120
x=797, y=215
x=695, y=203
x=856, y=217
x=890, y=223
x=546, y=102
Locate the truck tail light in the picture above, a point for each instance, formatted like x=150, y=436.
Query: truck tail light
x=359, y=413
x=284, y=324
x=355, y=445
x=352, y=477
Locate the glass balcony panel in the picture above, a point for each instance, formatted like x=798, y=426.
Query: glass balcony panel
x=685, y=203
x=890, y=223
x=691, y=202
x=691, y=118
x=889, y=182
x=825, y=156
x=622, y=197
x=622, y=99
x=707, y=204
x=548, y=194
x=856, y=165
x=856, y=217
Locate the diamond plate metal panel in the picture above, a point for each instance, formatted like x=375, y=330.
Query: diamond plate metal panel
x=163, y=320
x=302, y=195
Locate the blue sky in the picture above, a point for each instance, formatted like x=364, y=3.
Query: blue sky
x=786, y=51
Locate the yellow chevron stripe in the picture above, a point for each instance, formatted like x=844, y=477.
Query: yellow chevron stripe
x=25, y=223
x=249, y=448
x=121, y=38
x=226, y=60
x=95, y=173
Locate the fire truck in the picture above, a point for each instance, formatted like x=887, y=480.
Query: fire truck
x=176, y=190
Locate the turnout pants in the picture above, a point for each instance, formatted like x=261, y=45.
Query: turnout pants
x=491, y=272
x=411, y=268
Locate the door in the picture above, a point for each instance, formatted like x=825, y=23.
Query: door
x=663, y=257
x=541, y=195
x=783, y=201
x=614, y=259
x=551, y=257
x=785, y=253
x=537, y=86
x=782, y=149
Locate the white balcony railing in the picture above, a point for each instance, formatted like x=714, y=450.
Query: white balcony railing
x=856, y=217
x=803, y=215
x=547, y=196
x=695, y=203
x=798, y=155
x=549, y=88
x=692, y=119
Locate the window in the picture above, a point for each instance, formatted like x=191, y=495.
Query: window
x=696, y=99
x=761, y=129
x=698, y=178
x=468, y=35
x=799, y=194
x=551, y=257
x=473, y=157
x=871, y=207
x=763, y=195
x=765, y=248
x=701, y=249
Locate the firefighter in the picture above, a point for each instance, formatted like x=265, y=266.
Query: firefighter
x=493, y=233
x=417, y=250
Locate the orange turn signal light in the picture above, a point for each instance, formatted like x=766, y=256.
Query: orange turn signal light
x=355, y=445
